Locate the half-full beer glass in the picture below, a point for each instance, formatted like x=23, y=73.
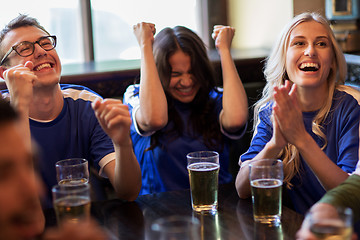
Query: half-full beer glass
x=331, y=223
x=72, y=171
x=266, y=179
x=71, y=202
x=203, y=168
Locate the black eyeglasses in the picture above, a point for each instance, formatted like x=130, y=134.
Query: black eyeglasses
x=25, y=49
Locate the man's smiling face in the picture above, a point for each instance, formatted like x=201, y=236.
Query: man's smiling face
x=46, y=64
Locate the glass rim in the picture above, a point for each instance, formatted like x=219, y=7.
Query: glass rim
x=340, y=209
x=278, y=162
x=81, y=162
x=198, y=154
x=343, y=213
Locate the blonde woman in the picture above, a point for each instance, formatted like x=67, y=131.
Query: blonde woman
x=306, y=116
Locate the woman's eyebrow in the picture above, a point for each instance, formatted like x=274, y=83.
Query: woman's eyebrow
x=303, y=37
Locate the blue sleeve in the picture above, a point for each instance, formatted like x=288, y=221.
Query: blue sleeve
x=347, y=120
x=262, y=135
x=217, y=95
x=95, y=140
x=101, y=144
x=131, y=99
x=65, y=86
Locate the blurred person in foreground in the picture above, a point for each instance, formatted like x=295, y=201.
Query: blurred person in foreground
x=347, y=194
x=306, y=117
x=60, y=117
x=21, y=216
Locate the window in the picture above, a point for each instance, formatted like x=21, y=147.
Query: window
x=60, y=17
x=112, y=22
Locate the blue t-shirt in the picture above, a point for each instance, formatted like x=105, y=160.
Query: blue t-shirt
x=74, y=133
x=164, y=167
x=341, y=128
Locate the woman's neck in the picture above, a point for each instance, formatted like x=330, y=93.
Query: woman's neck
x=312, y=99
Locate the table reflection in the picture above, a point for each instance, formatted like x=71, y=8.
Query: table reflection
x=257, y=231
x=233, y=220
x=209, y=225
x=122, y=219
x=262, y=232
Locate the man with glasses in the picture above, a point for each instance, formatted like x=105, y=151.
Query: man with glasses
x=60, y=117
x=25, y=49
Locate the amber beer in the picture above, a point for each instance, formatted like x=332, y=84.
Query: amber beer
x=331, y=224
x=203, y=178
x=332, y=230
x=203, y=168
x=266, y=197
x=73, y=181
x=71, y=201
x=72, y=208
x=72, y=171
x=266, y=178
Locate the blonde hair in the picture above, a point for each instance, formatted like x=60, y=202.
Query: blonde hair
x=275, y=74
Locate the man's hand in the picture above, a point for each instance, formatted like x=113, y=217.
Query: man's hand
x=115, y=119
x=20, y=80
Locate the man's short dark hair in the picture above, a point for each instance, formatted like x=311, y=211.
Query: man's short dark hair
x=22, y=20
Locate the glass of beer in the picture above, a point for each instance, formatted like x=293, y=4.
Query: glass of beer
x=266, y=178
x=71, y=202
x=72, y=171
x=331, y=223
x=203, y=168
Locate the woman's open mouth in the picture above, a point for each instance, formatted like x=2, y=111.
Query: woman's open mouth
x=309, y=67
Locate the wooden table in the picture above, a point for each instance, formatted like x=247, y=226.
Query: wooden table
x=234, y=220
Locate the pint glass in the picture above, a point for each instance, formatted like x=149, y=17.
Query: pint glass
x=71, y=202
x=266, y=178
x=72, y=171
x=203, y=168
x=334, y=223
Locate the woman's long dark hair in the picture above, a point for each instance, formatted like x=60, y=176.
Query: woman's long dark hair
x=203, y=117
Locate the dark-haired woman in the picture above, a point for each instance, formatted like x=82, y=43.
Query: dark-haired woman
x=177, y=108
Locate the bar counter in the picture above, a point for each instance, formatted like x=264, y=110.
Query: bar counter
x=131, y=220
x=111, y=78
